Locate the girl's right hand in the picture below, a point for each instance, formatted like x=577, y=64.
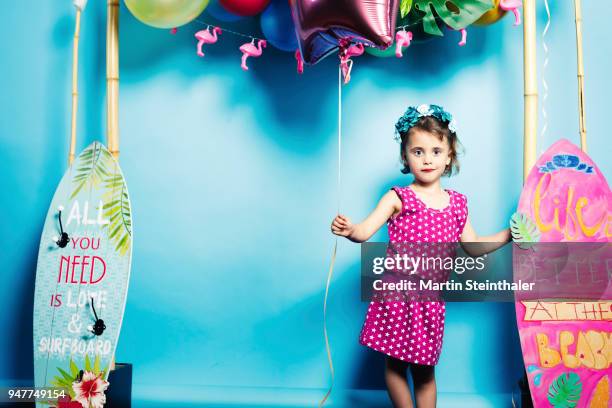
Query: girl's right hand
x=342, y=226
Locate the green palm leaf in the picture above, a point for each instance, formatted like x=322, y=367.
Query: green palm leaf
x=103, y=372
x=96, y=366
x=116, y=209
x=524, y=230
x=66, y=376
x=96, y=167
x=64, y=381
x=60, y=382
x=74, y=370
x=91, y=168
x=405, y=7
x=565, y=390
x=87, y=363
x=457, y=14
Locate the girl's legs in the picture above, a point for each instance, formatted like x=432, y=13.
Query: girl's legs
x=397, y=384
x=424, y=380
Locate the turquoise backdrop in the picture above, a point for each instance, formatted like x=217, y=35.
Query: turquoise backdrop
x=232, y=177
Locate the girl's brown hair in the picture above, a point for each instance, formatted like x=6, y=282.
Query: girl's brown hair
x=431, y=124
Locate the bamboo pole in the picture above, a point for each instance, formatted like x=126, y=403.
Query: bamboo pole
x=112, y=77
x=581, y=114
x=75, y=91
x=112, y=86
x=531, y=87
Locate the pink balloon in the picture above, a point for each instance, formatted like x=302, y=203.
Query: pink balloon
x=245, y=7
x=322, y=24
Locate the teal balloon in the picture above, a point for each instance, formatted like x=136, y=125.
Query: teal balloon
x=166, y=13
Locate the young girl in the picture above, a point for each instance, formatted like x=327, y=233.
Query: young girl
x=420, y=212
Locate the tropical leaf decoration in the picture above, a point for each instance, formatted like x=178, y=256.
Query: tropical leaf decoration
x=96, y=167
x=65, y=379
x=405, y=7
x=565, y=390
x=92, y=168
x=116, y=209
x=457, y=14
x=524, y=231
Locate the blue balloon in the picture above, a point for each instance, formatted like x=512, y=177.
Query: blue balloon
x=220, y=13
x=277, y=26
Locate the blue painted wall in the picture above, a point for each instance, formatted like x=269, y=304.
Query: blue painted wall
x=232, y=177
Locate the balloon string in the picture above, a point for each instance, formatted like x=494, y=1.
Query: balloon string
x=339, y=130
x=327, y=347
x=544, y=83
x=227, y=30
x=333, y=258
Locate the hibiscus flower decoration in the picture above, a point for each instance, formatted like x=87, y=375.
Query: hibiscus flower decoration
x=89, y=392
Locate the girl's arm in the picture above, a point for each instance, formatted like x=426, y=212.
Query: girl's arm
x=477, y=246
x=389, y=204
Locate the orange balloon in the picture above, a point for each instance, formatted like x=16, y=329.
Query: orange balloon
x=492, y=16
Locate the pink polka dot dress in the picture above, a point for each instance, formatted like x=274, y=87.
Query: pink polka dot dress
x=412, y=331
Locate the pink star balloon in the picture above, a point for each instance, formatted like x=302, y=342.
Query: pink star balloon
x=322, y=24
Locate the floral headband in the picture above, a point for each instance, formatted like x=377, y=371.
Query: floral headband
x=414, y=113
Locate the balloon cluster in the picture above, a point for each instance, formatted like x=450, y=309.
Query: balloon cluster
x=313, y=30
x=276, y=22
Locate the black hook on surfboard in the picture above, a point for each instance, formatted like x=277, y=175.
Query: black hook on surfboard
x=99, y=326
x=63, y=239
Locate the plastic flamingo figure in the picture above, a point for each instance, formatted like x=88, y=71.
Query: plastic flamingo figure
x=206, y=37
x=512, y=5
x=249, y=50
x=346, y=63
x=463, y=33
x=402, y=39
x=463, y=37
x=300, y=62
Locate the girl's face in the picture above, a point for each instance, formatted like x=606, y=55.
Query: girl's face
x=427, y=155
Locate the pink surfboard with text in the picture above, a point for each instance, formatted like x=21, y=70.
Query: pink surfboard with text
x=566, y=336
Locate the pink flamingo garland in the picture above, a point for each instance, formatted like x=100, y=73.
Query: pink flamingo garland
x=402, y=39
x=206, y=37
x=463, y=41
x=250, y=50
x=512, y=5
x=300, y=61
x=346, y=64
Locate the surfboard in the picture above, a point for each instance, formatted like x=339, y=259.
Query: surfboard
x=566, y=342
x=82, y=278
